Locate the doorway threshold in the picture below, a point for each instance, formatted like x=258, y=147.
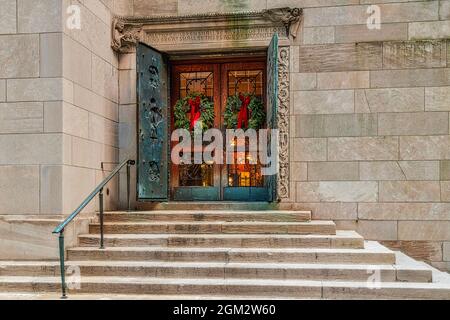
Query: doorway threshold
x=207, y=205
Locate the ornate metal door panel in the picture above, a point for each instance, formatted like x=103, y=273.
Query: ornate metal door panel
x=272, y=105
x=152, y=80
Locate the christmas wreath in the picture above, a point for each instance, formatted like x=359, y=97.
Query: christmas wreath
x=244, y=111
x=193, y=108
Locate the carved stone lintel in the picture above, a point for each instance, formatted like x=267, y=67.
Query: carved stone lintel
x=283, y=122
x=289, y=17
x=128, y=31
x=125, y=35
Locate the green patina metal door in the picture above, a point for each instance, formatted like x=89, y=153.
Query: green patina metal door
x=152, y=101
x=272, y=107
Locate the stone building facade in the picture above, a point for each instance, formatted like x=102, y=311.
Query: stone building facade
x=368, y=111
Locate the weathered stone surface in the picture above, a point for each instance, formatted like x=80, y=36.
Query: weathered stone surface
x=318, y=35
x=445, y=191
x=40, y=89
x=410, y=78
x=446, y=251
x=376, y=148
x=105, y=79
x=19, y=56
x=445, y=170
x=437, y=99
x=409, y=191
x=377, y=230
x=103, y=130
x=31, y=149
x=51, y=193
x=127, y=86
x=340, y=125
x=127, y=61
x=193, y=6
x=77, y=184
x=404, y=211
x=19, y=189
x=323, y=102
x=51, y=55
x=95, y=103
x=8, y=16
x=381, y=170
x=343, y=80
x=2, y=90
x=304, y=81
x=420, y=170
x=340, y=57
x=429, y=30
x=422, y=250
x=425, y=148
x=90, y=154
x=309, y=3
x=26, y=117
x=333, y=171
x=424, y=230
x=299, y=171
x=399, y=170
x=309, y=149
x=424, y=123
x=389, y=100
x=360, y=33
x=145, y=8
x=39, y=16
x=77, y=63
x=414, y=54
x=100, y=9
x=339, y=191
x=330, y=210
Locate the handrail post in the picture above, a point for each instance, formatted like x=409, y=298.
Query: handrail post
x=100, y=195
x=128, y=186
x=62, y=264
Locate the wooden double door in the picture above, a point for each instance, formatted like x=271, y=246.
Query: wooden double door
x=218, y=80
x=158, y=179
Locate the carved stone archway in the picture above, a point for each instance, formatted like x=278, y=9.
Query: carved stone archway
x=222, y=32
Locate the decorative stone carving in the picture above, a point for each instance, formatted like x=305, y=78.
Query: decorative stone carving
x=125, y=35
x=283, y=121
x=170, y=33
x=291, y=19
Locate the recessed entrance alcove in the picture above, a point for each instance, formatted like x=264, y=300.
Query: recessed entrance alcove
x=219, y=56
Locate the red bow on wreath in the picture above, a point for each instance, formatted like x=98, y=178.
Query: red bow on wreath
x=243, y=115
x=195, y=111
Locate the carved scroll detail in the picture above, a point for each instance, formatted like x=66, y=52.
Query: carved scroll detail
x=283, y=121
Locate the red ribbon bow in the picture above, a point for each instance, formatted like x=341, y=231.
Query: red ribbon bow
x=195, y=111
x=243, y=115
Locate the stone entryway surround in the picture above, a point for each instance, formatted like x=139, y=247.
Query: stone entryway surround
x=219, y=34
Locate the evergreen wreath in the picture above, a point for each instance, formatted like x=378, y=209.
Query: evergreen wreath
x=194, y=107
x=252, y=118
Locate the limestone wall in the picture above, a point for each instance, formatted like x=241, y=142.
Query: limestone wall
x=370, y=144
x=58, y=120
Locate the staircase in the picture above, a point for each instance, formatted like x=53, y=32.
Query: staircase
x=226, y=254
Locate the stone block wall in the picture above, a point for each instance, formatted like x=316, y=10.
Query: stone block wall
x=370, y=122
x=369, y=141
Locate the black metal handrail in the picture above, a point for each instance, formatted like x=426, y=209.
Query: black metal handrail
x=98, y=190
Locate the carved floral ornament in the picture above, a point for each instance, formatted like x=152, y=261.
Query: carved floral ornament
x=260, y=25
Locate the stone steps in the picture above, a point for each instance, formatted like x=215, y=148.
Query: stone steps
x=208, y=215
x=342, y=239
x=372, y=254
x=249, y=227
x=296, y=289
x=220, y=270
